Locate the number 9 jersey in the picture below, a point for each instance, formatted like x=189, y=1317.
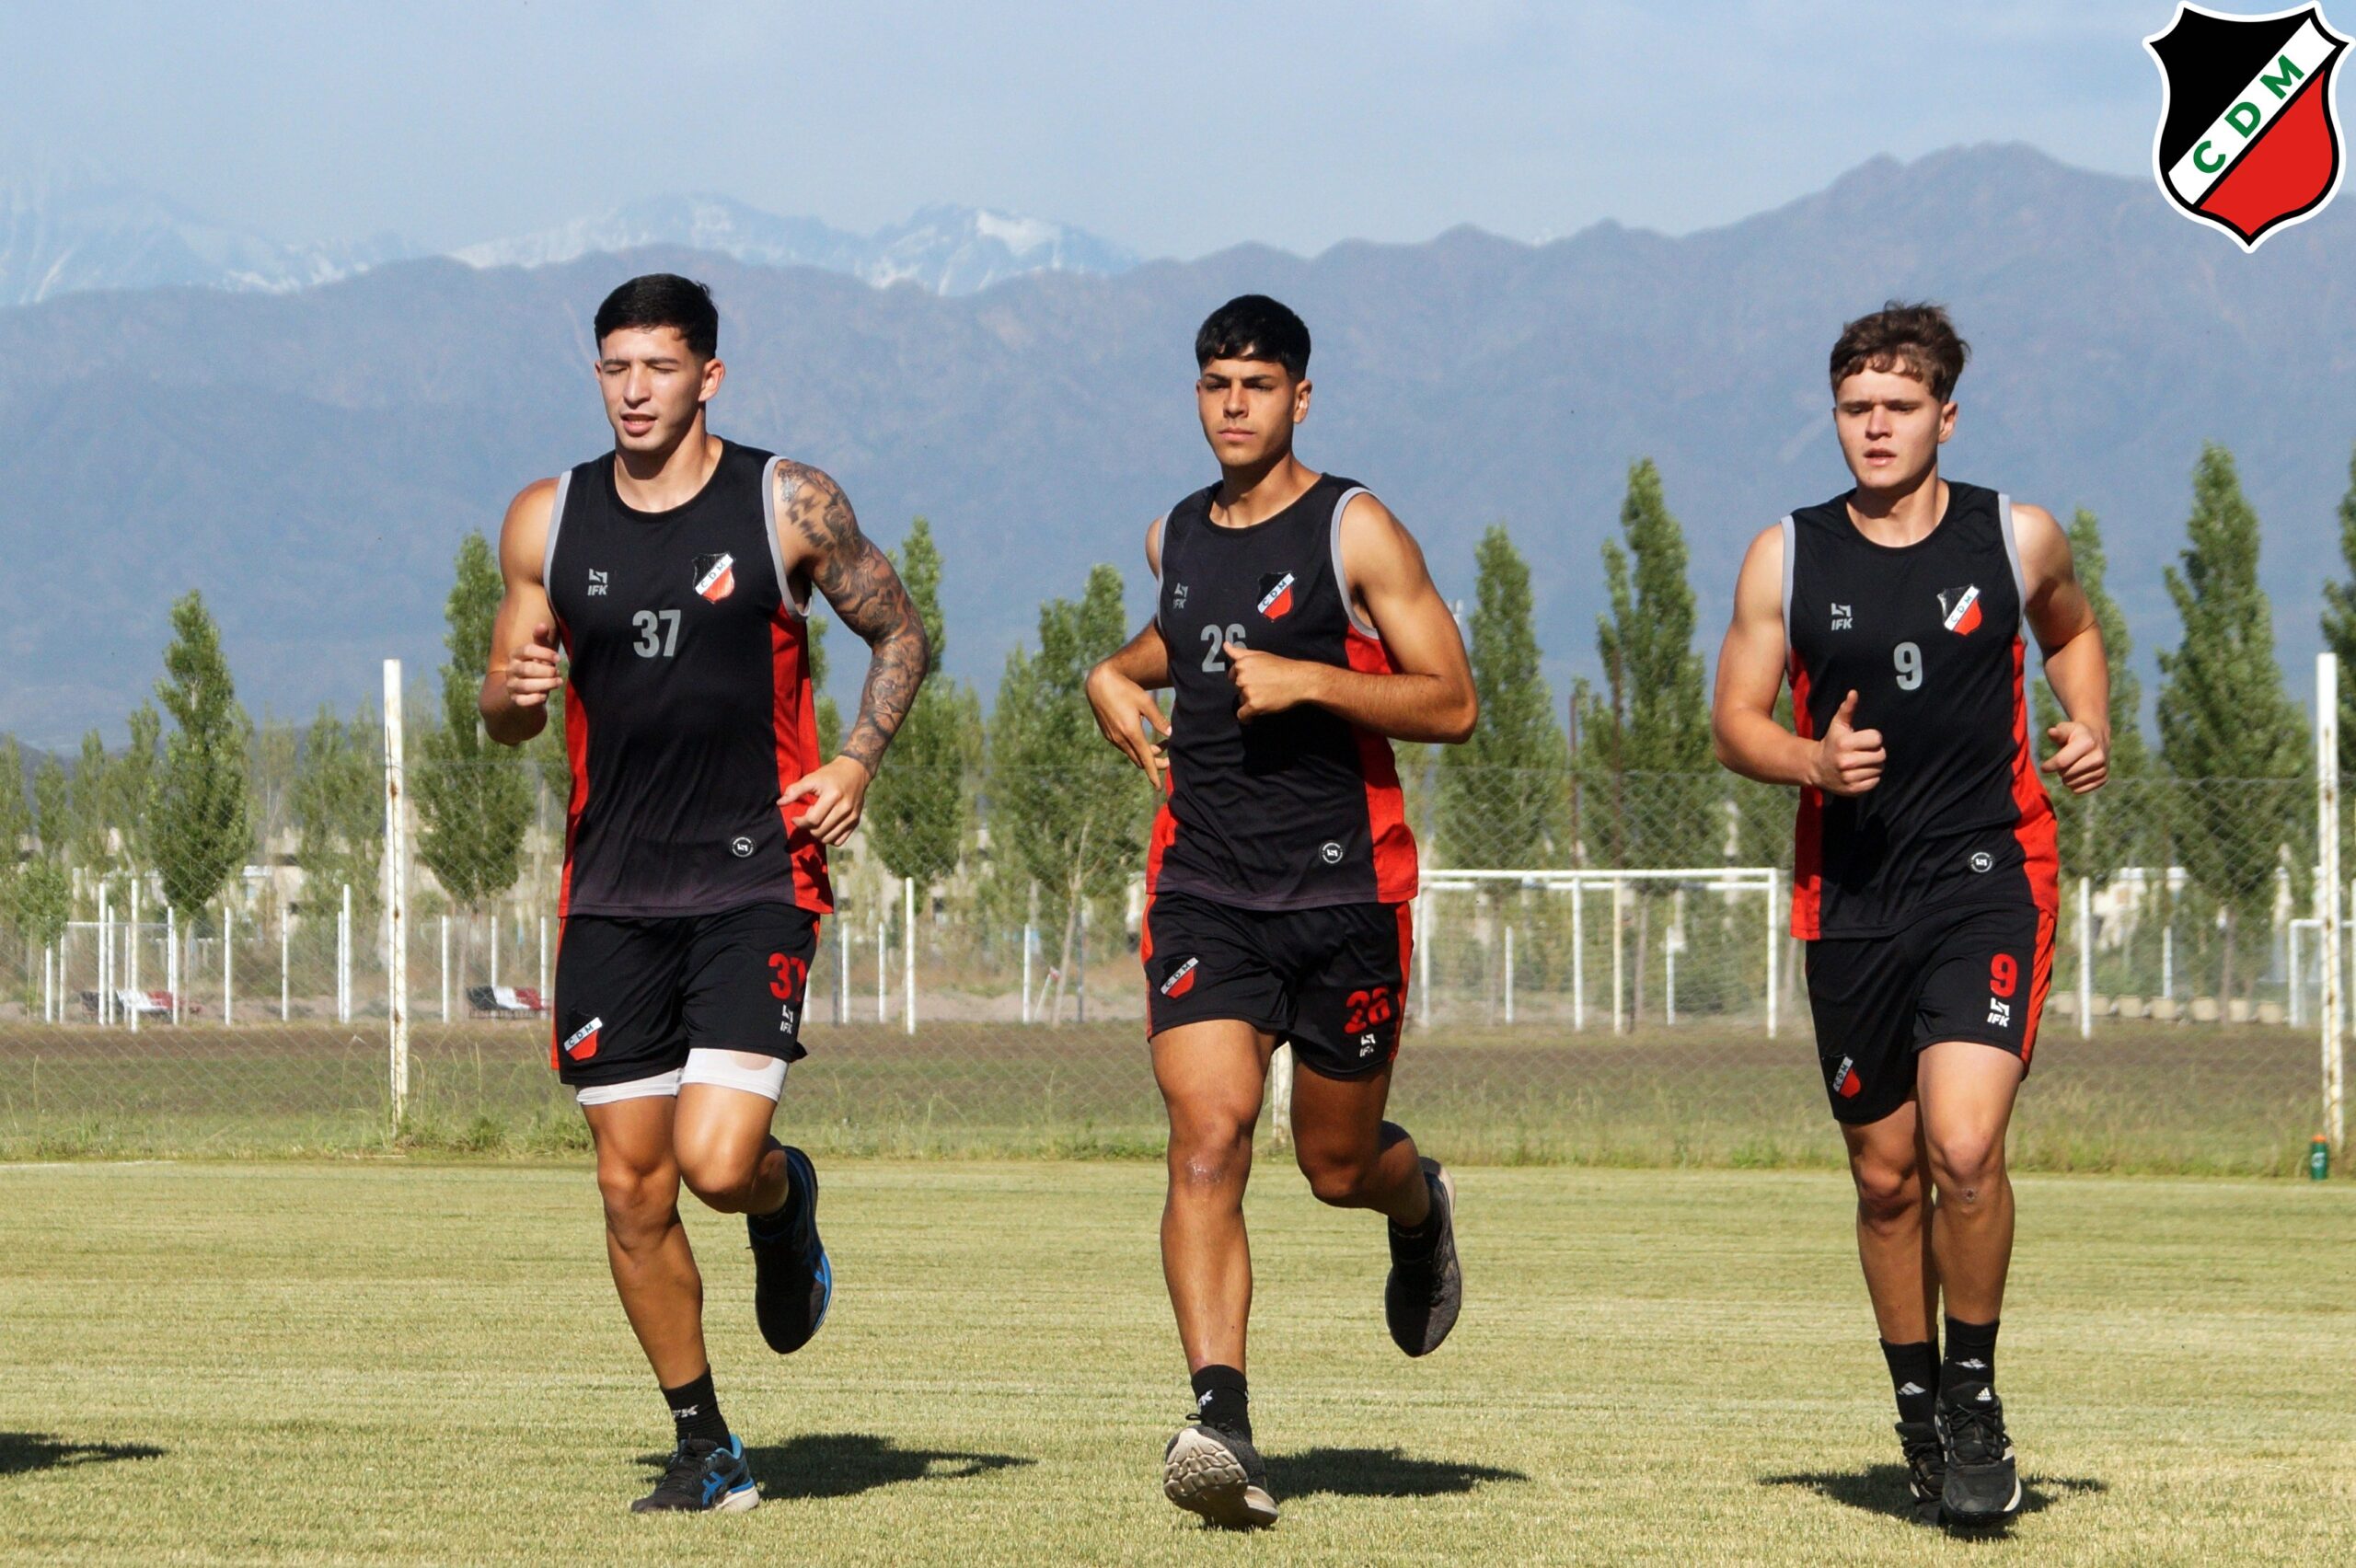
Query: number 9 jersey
x=1930, y=636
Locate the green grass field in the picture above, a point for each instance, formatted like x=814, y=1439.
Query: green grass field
x=398, y=1360
x=2143, y=1098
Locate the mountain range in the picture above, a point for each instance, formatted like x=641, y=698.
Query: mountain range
x=310, y=457
x=60, y=237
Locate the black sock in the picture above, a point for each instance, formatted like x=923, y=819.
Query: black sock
x=694, y=1410
x=1224, y=1401
x=1971, y=1352
x=1913, y=1376
x=1415, y=1242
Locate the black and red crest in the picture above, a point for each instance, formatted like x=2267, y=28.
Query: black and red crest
x=716, y=576
x=2248, y=136
x=1275, y=594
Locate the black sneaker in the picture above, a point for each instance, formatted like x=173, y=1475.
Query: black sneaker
x=1927, y=1467
x=793, y=1280
x=703, y=1477
x=1212, y=1471
x=1421, y=1298
x=1981, y=1486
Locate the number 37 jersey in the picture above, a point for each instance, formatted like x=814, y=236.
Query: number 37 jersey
x=687, y=703
x=1296, y=809
x=1930, y=636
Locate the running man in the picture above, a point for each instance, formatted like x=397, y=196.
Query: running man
x=1302, y=634
x=673, y=573
x=1925, y=881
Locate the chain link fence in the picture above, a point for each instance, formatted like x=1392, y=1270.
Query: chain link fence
x=1572, y=997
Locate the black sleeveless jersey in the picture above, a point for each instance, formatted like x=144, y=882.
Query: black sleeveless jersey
x=688, y=705
x=1930, y=636
x=1296, y=810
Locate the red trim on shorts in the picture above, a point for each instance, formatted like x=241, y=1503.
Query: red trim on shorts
x=793, y=733
x=1807, y=829
x=1406, y=972
x=2039, y=837
x=2041, y=982
x=1386, y=808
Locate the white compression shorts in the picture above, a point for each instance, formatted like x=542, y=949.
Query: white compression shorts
x=725, y=1069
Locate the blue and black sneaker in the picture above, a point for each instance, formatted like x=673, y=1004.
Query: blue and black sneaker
x=703, y=1477
x=793, y=1280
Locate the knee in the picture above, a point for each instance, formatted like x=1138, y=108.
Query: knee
x=1888, y=1195
x=1967, y=1166
x=1210, y=1160
x=640, y=1201
x=720, y=1182
x=1336, y=1177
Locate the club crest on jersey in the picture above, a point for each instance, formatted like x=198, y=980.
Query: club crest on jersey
x=1845, y=1081
x=582, y=1043
x=1276, y=595
x=716, y=576
x=1959, y=610
x=2248, y=139
x=1181, y=979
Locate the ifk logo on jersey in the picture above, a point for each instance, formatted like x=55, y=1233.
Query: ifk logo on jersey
x=2249, y=135
x=716, y=576
x=1959, y=610
x=1276, y=595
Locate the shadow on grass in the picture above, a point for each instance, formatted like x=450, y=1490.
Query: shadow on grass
x=21, y=1453
x=1374, y=1472
x=1881, y=1489
x=843, y=1464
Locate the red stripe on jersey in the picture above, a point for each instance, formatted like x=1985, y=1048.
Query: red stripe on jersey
x=1386, y=809
x=2034, y=828
x=1808, y=829
x=576, y=758
x=793, y=732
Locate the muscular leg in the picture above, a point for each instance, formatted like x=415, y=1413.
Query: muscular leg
x=655, y=1272
x=726, y=1155
x=1966, y=1091
x=1894, y=1229
x=1352, y=1157
x=1212, y=1076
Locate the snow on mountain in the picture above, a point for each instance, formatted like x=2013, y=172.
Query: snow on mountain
x=944, y=250
x=57, y=239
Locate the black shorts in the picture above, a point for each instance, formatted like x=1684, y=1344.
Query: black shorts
x=1978, y=973
x=1331, y=982
x=633, y=996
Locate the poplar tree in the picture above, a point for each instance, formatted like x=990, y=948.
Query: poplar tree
x=16, y=824
x=200, y=816
x=1503, y=795
x=921, y=803
x=1064, y=810
x=2224, y=717
x=2109, y=829
x=473, y=798
x=338, y=805
x=2339, y=626
x=1645, y=741
x=45, y=887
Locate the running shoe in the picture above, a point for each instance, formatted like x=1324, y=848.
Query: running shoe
x=1982, y=1488
x=1421, y=1298
x=703, y=1477
x=793, y=1281
x=1212, y=1471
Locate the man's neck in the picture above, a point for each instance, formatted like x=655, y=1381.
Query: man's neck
x=653, y=481
x=1903, y=514
x=1251, y=495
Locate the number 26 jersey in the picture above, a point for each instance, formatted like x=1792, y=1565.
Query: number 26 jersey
x=1930, y=636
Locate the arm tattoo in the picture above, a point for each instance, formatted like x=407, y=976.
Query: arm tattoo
x=858, y=581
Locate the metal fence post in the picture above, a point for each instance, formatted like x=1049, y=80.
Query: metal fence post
x=2086, y=957
x=1578, y=954
x=1618, y=962
x=131, y=955
x=2328, y=887
x=1774, y=941
x=908, y=953
x=396, y=892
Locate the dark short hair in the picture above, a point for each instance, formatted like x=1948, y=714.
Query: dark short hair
x=663, y=299
x=1918, y=339
x=1255, y=327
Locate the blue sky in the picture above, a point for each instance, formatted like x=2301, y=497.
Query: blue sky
x=1175, y=129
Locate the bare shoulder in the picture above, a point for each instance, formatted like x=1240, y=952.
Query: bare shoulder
x=813, y=514
x=1759, y=586
x=2043, y=544
x=1153, y=543
x=1374, y=543
x=523, y=534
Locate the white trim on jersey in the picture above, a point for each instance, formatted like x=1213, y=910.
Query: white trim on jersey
x=1791, y=564
x=1341, y=578
x=2013, y=555
x=556, y=521
x=799, y=605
